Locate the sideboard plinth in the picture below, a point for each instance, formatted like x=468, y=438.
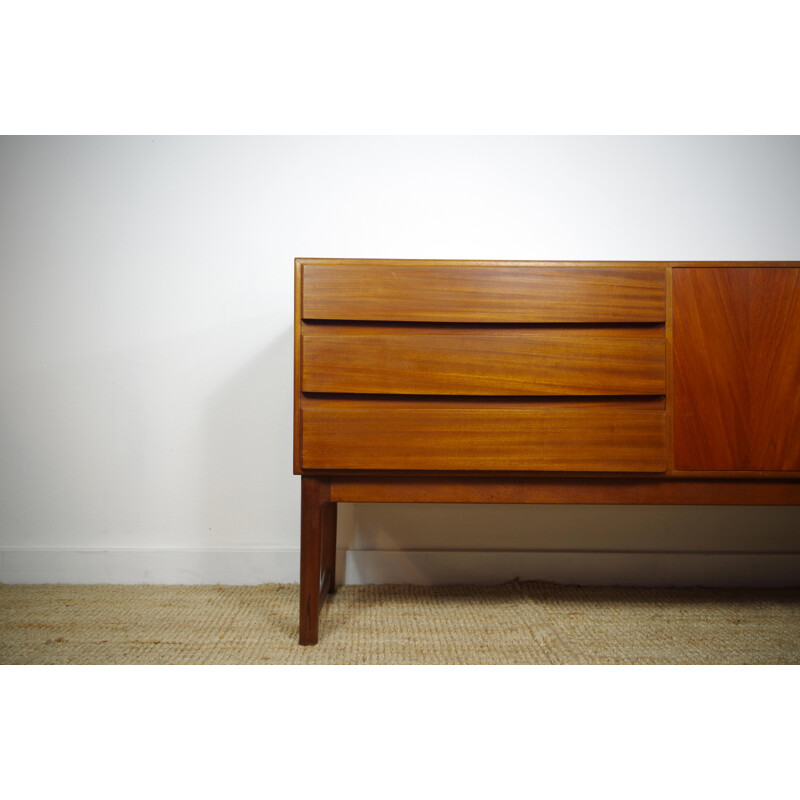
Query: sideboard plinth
x=589, y=491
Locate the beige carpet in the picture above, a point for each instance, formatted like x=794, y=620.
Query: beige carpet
x=517, y=623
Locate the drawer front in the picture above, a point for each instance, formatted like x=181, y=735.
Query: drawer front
x=498, y=362
x=476, y=293
x=368, y=436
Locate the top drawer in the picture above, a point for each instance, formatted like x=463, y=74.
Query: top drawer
x=404, y=292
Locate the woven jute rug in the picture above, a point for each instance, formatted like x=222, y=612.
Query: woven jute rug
x=516, y=623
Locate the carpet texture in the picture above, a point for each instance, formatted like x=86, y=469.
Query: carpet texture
x=516, y=623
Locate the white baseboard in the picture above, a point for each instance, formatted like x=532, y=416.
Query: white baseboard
x=252, y=567
x=153, y=566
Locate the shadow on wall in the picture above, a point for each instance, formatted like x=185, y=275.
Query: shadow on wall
x=252, y=498
x=630, y=545
x=599, y=528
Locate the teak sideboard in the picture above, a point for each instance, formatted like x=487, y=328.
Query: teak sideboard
x=539, y=382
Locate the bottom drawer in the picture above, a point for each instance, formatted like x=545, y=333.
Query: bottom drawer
x=559, y=438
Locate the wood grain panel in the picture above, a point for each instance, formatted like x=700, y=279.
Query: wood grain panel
x=474, y=293
x=459, y=438
x=736, y=344
x=507, y=362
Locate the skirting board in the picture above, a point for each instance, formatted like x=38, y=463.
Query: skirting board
x=253, y=567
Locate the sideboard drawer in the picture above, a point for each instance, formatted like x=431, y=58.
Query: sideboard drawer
x=370, y=435
x=402, y=360
x=478, y=293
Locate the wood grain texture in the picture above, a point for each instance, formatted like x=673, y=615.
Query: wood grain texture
x=668, y=336
x=637, y=491
x=736, y=342
x=473, y=293
x=460, y=438
x=506, y=362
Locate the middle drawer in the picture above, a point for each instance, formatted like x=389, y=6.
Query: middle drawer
x=519, y=361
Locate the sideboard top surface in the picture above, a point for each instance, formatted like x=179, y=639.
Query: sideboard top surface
x=406, y=262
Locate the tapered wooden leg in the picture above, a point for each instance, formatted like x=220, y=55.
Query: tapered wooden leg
x=329, y=546
x=317, y=554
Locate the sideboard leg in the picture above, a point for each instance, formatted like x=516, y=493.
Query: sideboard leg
x=329, y=546
x=317, y=541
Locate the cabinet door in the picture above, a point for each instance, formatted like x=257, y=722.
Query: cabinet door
x=736, y=344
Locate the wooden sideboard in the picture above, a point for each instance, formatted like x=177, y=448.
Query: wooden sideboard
x=539, y=382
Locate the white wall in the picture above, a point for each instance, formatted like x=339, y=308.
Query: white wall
x=146, y=348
